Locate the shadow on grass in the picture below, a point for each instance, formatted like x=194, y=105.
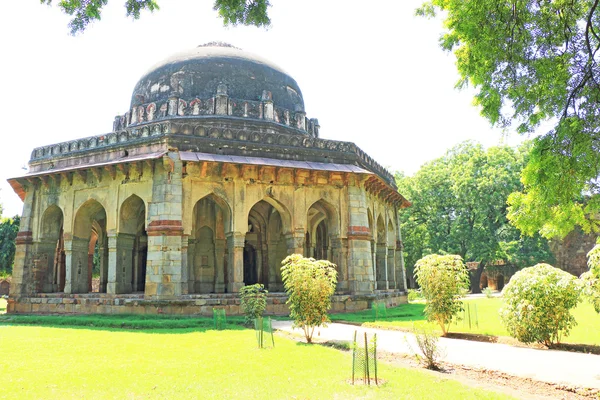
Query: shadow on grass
x=134, y=323
x=404, y=312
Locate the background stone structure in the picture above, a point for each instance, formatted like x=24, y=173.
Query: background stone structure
x=211, y=178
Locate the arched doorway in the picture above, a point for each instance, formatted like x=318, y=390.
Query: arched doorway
x=89, y=224
x=207, y=249
x=321, y=227
x=132, y=246
x=265, y=246
x=51, y=252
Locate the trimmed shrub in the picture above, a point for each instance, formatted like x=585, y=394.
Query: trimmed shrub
x=591, y=279
x=443, y=280
x=309, y=284
x=253, y=300
x=537, y=306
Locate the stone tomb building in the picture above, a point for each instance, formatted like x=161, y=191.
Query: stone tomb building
x=207, y=183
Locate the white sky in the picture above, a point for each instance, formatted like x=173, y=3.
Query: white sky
x=371, y=72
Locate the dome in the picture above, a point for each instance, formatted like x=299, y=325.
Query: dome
x=199, y=72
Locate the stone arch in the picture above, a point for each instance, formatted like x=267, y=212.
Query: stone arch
x=265, y=243
x=286, y=216
x=131, y=248
x=89, y=219
x=50, y=267
x=207, y=251
x=322, y=225
x=381, y=253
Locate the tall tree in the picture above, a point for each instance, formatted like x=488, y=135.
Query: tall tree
x=8, y=234
x=459, y=207
x=233, y=12
x=537, y=62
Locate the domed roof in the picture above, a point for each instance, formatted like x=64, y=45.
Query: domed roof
x=197, y=73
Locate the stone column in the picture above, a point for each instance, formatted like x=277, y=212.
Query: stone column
x=185, y=270
x=400, y=268
x=111, y=282
x=119, y=282
x=272, y=245
x=360, y=260
x=235, y=245
x=23, y=262
x=164, y=266
x=45, y=253
x=295, y=241
x=190, y=265
x=381, y=260
x=103, y=250
x=220, y=265
x=339, y=251
x=391, y=266
x=76, y=265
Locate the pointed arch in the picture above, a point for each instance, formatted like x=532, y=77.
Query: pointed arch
x=52, y=251
x=207, y=253
x=132, y=247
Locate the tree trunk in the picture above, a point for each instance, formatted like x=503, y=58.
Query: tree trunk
x=476, y=278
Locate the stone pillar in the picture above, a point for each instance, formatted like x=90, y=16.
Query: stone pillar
x=185, y=271
x=220, y=265
x=235, y=246
x=190, y=265
x=339, y=252
x=111, y=281
x=222, y=100
x=120, y=275
x=45, y=253
x=400, y=268
x=360, y=260
x=391, y=266
x=164, y=266
x=24, y=249
x=76, y=265
x=381, y=260
x=295, y=241
x=103, y=250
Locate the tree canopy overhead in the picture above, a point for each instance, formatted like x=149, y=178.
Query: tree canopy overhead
x=233, y=12
x=534, y=63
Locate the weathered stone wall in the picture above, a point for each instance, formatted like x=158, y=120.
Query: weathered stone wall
x=571, y=252
x=187, y=305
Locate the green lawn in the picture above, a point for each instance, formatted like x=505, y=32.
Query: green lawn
x=62, y=363
x=484, y=320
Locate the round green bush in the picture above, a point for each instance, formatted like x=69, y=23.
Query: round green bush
x=537, y=306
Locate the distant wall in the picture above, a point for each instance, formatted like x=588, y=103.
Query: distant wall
x=571, y=252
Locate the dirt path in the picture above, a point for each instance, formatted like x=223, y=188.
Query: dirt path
x=521, y=372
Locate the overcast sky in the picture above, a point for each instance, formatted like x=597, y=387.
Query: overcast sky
x=371, y=72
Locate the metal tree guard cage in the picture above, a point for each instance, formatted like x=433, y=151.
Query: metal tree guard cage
x=264, y=328
x=364, y=359
x=219, y=318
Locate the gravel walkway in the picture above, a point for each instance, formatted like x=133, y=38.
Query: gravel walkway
x=552, y=366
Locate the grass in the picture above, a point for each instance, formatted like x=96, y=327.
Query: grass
x=66, y=363
x=587, y=330
x=130, y=322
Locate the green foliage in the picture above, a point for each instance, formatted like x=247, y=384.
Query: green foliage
x=443, y=280
x=429, y=352
x=233, y=12
x=459, y=207
x=414, y=294
x=9, y=227
x=538, y=305
x=253, y=301
x=309, y=284
x=535, y=64
x=591, y=279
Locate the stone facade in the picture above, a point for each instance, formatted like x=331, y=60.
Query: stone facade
x=191, y=198
x=571, y=252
